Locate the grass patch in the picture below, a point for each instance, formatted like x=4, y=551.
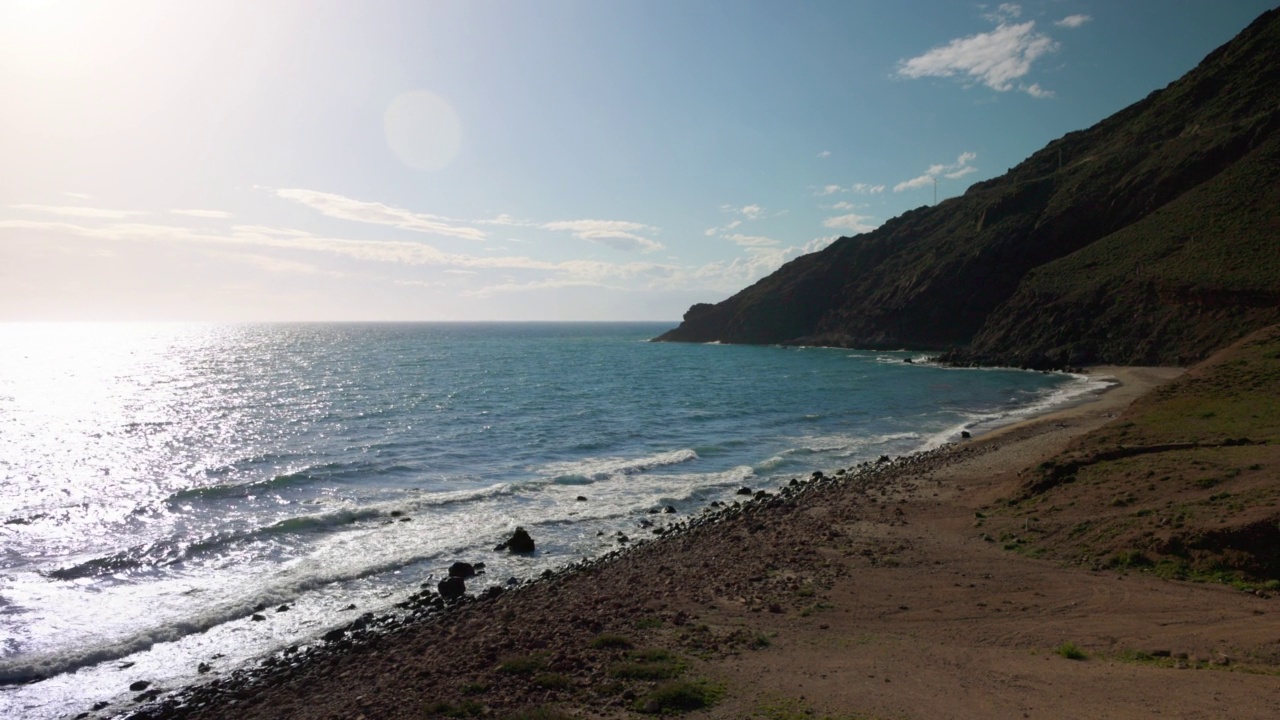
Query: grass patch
x=678, y=696
x=1070, y=651
x=648, y=623
x=611, y=642
x=539, y=714
x=467, y=709
x=552, y=681
x=647, y=664
x=526, y=665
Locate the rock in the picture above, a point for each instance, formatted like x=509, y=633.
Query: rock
x=283, y=608
x=203, y=668
x=492, y=592
x=669, y=510
x=581, y=498
x=258, y=618
x=139, y=685
x=743, y=491
x=333, y=635
x=462, y=570
x=520, y=542
x=100, y=705
x=761, y=494
x=653, y=511
x=646, y=523
x=883, y=459
x=477, y=567
x=966, y=434
x=452, y=588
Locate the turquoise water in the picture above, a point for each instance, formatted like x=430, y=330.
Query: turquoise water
x=158, y=483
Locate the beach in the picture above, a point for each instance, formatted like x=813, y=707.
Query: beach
x=869, y=594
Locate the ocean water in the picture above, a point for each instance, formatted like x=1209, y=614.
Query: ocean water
x=158, y=483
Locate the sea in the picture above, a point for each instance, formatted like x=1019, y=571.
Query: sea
x=160, y=484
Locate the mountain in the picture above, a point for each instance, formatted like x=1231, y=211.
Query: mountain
x=1150, y=238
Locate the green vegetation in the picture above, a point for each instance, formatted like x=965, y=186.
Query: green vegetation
x=467, y=709
x=1070, y=651
x=552, y=681
x=611, y=642
x=679, y=696
x=540, y=714
x=523, y=665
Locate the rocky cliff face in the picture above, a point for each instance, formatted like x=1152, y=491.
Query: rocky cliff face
x=1152, y=237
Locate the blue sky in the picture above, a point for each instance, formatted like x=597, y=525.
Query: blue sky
x=550, y=160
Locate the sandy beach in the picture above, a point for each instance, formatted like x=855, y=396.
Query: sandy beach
x=875, y=593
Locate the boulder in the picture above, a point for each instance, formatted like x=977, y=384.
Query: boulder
x=520, y=542
x=462, y=570
x=669, y=510
x=743, y=491
x=139, y=685
x=452, y=588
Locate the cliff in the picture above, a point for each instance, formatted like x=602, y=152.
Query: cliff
x=1149, y=238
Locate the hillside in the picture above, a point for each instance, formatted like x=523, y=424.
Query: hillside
x=1183, y=483
x=1150, y=238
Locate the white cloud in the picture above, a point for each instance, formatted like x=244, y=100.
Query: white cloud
x=851, y=222
x=345, y=208
x=82, y=212
x=954, y=171
x=1073, y=21
x=751, y=241
x=997, y=59
x=1005, y=13
x=856, y=188
x=824, y=154
x=842, y=205
x=212, y=214
x=752, y=212
x=618, y=234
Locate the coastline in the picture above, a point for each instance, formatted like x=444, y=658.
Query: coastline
x=867, y=592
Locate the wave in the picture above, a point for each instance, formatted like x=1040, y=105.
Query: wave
x=594, y=469
x=166, y=553
x=299, y=478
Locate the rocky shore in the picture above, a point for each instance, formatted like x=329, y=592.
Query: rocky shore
x=872, y=591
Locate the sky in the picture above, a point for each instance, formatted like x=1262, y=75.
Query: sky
x=518, y=160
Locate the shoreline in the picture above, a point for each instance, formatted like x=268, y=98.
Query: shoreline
x=1005, y=449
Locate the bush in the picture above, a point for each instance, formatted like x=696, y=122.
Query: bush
x=611, y=642
x=677, y=696
x=1070, y=651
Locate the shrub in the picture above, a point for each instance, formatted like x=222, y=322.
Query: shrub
x=1070, y=651
x=611, y=642
x=679, y=696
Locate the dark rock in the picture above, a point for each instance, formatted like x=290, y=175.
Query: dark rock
x=883, y=459
x=100, y=705
x=966, y=434
x=462, y=570
x=282, y=608
x=477, y=567
x=139, y=685
x=760, y=494
x=581, y=498
x=520, y=542
x=258, y=617
x=452, y=588
x=653, y=511
x=203, y=668
x=646, y=523
x=334, y=635
x=669, y=510
x=743, y=491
